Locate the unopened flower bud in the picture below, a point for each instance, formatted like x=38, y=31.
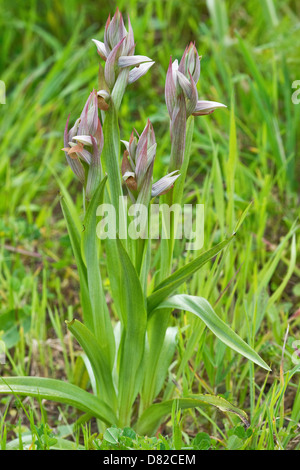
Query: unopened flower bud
x=118, y=52
x=182, y=100
x=137, y=167
x=84, y=144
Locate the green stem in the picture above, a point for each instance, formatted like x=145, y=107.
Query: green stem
x=158, y=324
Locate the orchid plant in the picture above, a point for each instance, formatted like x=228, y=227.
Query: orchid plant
x=128, y=345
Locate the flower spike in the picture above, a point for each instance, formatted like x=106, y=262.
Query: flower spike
x=83, y=145
x=182, y=100
x=117, y=51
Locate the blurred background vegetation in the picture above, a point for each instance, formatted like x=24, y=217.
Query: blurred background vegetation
x=250, y=58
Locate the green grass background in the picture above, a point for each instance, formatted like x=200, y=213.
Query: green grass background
x=249, y=152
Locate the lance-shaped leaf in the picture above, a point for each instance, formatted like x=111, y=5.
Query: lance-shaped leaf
x=171, y=283
x=100, y=365
x=58, y=391
x=150, y=419
x=126, y=287
x=75, y=242
x=102, y=328
x=202, y=309
x=156, y=373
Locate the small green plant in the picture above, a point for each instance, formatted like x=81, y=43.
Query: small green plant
x=45, y=437
x=128, y=360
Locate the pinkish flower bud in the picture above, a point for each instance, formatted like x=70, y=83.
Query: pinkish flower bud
x=190, y=63
x=73, y=160
x=183, y=78
x=84, y=143
x=118, y=52
x=115, y=31
x=137, y=167
x=182, y=100
x=170, y=88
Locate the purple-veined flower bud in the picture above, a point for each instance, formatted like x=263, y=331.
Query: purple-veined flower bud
x=137, y=167
x=170, y=87
x=182, y=79
x=118, y=52
x=190, y=63
x=145, y=153
x=182, y=100
x=73, y=160
x=84, y=144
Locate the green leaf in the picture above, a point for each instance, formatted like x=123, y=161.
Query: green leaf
x=243, y=216
x=99, y=363
x=60, y=444
x=112, y=435
x=134, y=321
x=10, y=324
x=58, y=391
x=130, y=304
x=171, y=283
x=278, y=292
x=202, y=309
x=157, y=363
x=151, y=418
x=102, y=327
x=165, y=358
x=67, y=198
x=75, y=242
x=202, y=441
